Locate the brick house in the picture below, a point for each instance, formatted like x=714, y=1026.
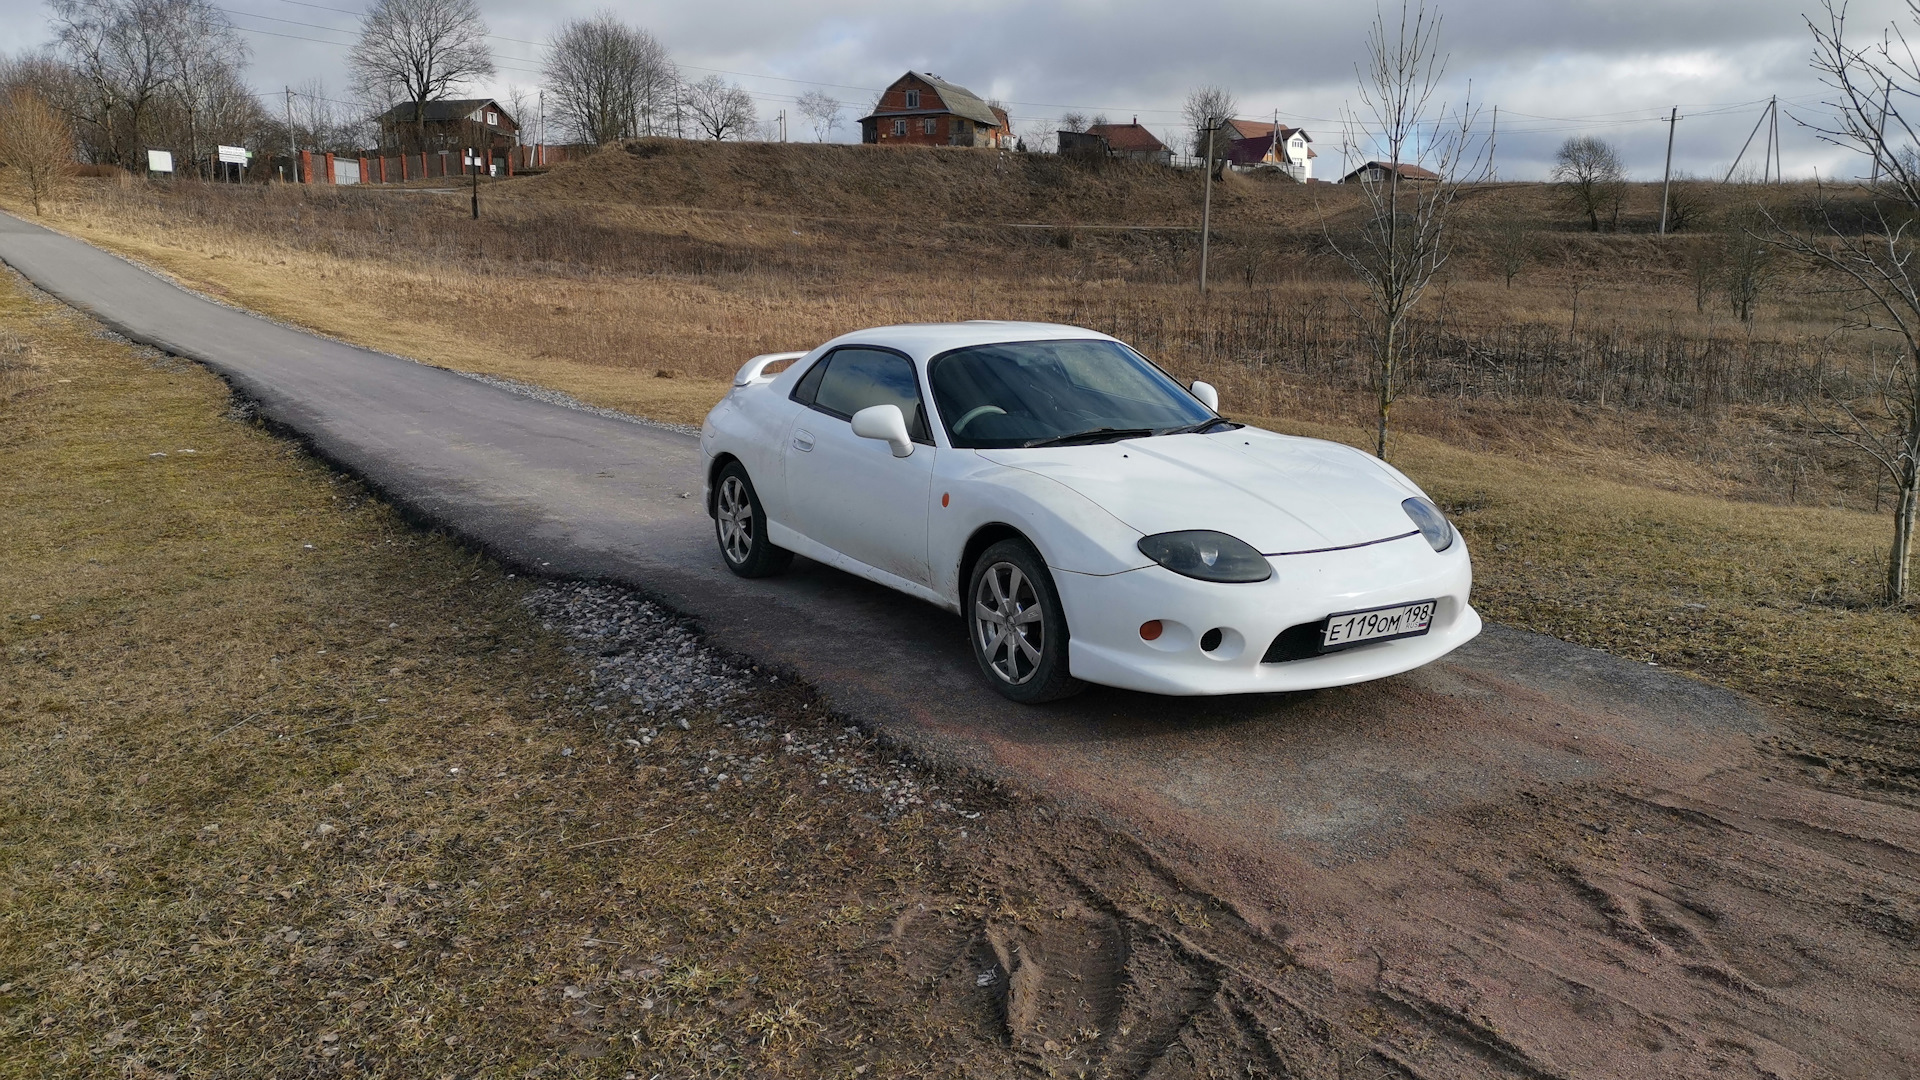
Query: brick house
x=1255, y=144
x=1129, y=141
x=454, y=124
x=920, y=109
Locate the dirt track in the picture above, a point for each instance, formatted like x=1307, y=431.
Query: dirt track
x=1468, y=876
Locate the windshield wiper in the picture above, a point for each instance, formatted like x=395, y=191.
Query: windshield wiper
x=1195, y=429
x=1099, y=434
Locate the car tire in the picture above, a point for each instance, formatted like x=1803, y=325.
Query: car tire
x=740, y=526
x=1016, y=625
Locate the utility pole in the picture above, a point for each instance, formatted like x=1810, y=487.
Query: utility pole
x=1206, y=208
x=1666, y=180
x=474, y=159
x=293, y=149
x=783, y=125
x=1774, y=138
x=540, y=129
x=1493, y=143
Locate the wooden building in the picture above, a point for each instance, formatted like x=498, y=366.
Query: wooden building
x=920, y=109
x=1130, y=141
x=454, y=124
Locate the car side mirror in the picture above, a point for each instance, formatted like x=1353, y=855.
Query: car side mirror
x=886, y=423
x=1207, y=394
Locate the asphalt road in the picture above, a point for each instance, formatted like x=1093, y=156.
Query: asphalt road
x=1321, y=810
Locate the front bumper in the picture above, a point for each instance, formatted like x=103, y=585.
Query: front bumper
x=1104, y=614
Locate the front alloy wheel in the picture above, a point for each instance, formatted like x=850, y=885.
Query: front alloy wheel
x=739, y=523
x=1019, y=634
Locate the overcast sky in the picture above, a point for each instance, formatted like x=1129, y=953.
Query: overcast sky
x=1602, y=67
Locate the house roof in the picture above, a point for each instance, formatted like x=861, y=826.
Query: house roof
x=445, y=109
x=1128, y=138
x=1408, y=170
x=958, y=100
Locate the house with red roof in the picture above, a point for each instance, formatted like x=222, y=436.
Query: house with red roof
x=1130, y=141
x=1373, y=172
x=923, y=109
x=1257, y=144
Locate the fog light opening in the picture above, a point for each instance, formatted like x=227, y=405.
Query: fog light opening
x=1150, y=630
x=1210, y=640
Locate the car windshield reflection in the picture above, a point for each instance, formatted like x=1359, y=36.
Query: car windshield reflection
x=1057, y=392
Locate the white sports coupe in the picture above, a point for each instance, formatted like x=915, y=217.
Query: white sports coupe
x=1089, y=518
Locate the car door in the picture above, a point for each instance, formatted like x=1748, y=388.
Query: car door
x=851, y=494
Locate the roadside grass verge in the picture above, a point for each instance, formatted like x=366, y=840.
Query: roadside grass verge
x=288, y=787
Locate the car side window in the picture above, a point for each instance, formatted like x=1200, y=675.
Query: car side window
x=856, y=378
x=809, y=384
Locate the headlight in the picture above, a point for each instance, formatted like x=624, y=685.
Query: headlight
x=1431, y=522
x=1207, y=555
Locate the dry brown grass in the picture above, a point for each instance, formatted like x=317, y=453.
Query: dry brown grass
x=288, y=788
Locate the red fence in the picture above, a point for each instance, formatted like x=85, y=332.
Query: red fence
x=318, y=168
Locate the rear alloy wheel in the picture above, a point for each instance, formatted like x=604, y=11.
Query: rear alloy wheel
x=1018, y=631
x=740, y=525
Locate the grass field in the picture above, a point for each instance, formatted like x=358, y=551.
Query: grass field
x=289, y=788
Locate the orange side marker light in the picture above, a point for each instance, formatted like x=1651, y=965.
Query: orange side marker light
x=1150, y=630
x=944, y=497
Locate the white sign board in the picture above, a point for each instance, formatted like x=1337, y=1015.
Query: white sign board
x=159, y=161
x=234, y=155
x=473, y=160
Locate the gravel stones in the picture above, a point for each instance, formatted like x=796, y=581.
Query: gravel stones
x=651, y=672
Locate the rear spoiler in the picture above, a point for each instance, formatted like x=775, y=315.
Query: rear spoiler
x=756, y=368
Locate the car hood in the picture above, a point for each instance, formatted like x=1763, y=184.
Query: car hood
x=1279, y=493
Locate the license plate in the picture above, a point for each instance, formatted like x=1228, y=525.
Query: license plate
x=1377, y=624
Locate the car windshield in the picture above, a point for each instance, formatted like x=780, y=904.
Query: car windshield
x=1028, y=392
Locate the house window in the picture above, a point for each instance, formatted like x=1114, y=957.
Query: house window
x=929, y=126
x=899, y=128
x=493, y=119
x=913, y=99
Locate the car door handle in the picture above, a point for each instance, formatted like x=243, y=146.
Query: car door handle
x=803, y=441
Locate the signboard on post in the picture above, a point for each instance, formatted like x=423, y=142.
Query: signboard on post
x=160, y=161
x=235, y=155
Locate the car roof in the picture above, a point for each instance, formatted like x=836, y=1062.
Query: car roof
x=923, y=341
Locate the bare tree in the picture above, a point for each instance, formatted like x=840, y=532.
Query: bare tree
x=1207, y=107
x=120, y=51
x=1873, y=87
x=420, y=50
x=205, y=57
x=1511, y=244
x=719, y=108
x=822, y=110
x=1073, y=121
x=1747, y=261
x=1406, y=239
x=609, y=80
x=1591, y=178
x=36, y=142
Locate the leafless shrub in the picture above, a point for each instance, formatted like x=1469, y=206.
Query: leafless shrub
x=36, y=143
